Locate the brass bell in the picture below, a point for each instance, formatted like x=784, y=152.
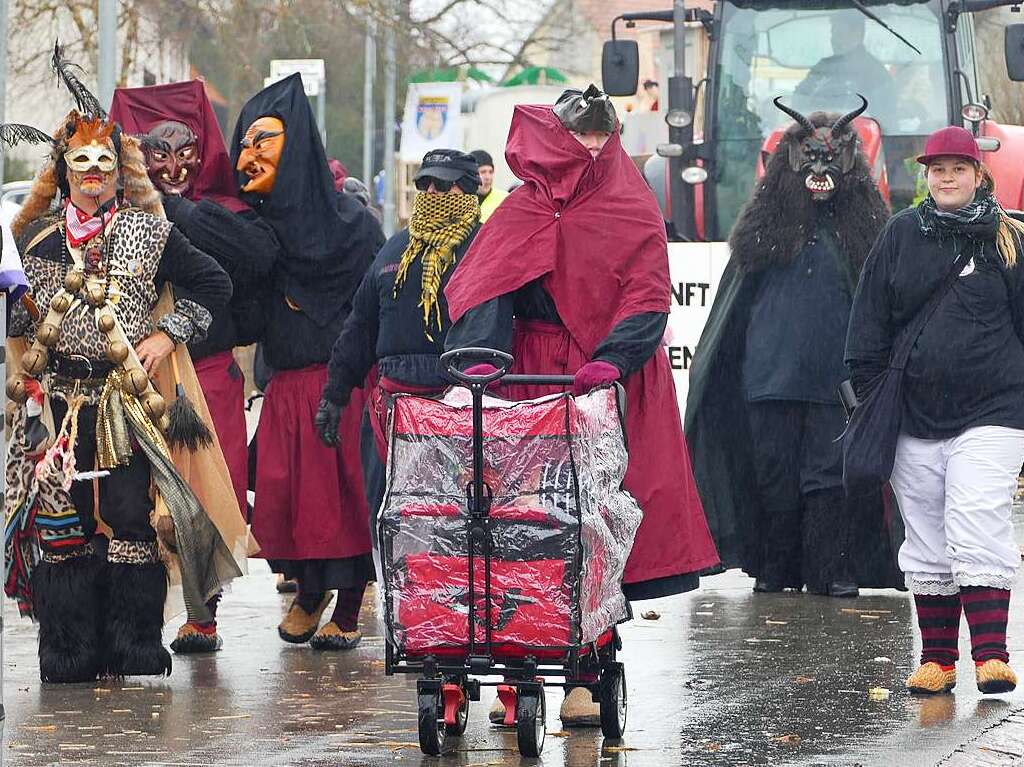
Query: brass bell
x=73, y=282
x=105, y=323
x=117, y=352
x=97, y=296
x=60, y=303
x=34, y=361
x=154, y=405
x=164, y=423
x=16, y=389
x=136, y=381
x=48, y=334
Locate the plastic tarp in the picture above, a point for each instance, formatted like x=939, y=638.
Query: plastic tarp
x=560, y=523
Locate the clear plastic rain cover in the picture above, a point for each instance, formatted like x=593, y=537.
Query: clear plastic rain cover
x=560, y=522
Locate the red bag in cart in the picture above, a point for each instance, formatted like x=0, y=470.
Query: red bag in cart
x=533, y=611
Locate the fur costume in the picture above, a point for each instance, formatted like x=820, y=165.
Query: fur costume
x=778, y=219
x=818, y=210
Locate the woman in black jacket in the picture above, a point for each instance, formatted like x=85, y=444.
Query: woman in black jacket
x=962, y=436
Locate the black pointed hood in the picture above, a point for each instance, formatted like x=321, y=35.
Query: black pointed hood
x=328, y=239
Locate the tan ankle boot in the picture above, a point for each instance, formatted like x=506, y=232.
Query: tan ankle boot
x=579, y=709
x=299, y=626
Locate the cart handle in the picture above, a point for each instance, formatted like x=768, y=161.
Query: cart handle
x=451, y=361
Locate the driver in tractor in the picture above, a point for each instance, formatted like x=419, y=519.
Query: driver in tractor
x=850, y=69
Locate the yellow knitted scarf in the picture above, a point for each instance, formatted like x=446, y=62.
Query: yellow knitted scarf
x=439, y=224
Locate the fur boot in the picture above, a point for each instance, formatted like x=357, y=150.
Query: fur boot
x=132, y=639
x=67, y=604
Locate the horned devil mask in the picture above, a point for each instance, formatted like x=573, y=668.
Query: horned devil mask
x=824, y=154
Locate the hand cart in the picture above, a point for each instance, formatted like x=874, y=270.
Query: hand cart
x=503, y=537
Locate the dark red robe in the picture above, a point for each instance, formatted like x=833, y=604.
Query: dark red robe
x=590, y=230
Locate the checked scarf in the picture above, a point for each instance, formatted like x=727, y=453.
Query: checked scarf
x=978, y=220
x=439, y=224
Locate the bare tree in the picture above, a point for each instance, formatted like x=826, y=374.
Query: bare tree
x=34, y=25
x=474, y=32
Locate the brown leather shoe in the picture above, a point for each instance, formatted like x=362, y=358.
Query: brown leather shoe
x=994, y=676
x=931, y=679
x=330, y=637
x=299, y=626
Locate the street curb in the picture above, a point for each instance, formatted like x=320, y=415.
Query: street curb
x=998, y=745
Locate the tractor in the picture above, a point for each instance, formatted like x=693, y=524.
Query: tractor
x=914, y=61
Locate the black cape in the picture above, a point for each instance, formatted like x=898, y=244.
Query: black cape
x=328, y=239
x=718, y=436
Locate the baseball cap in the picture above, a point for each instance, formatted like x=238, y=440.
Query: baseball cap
x=953, y=141
x=448, y=165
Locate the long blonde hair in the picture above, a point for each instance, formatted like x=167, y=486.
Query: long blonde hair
x=1010, y=234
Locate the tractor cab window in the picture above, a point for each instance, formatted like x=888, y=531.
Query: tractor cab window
x=819, y=58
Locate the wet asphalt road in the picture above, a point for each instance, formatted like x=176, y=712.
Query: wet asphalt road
x=722, y=677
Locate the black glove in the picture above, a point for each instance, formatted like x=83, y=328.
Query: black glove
x=328, y=415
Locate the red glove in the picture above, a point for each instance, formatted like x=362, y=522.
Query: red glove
x=482, y=369
x=594, y=374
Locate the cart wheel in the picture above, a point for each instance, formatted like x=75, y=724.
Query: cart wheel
x=430, y=705
x=531, y=721
x=456, y=709
x=613, y=701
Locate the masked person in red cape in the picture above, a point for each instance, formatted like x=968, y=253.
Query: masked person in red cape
x=310, y=514
x=571, y=275
x=188, y=164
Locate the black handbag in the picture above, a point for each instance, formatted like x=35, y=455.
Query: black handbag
x=869, y=442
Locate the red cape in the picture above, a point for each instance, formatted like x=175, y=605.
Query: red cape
x=589, y=227
x=137, y=110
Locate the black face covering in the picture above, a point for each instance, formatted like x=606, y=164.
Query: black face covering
x=586, y=112
x=328, y=239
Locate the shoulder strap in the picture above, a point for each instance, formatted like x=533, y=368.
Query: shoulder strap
x=41, y=235
x=913, y=329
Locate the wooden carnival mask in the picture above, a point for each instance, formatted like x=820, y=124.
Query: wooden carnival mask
x=172, y=157
x=262, y=147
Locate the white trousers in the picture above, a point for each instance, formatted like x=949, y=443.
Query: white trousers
x=955, y=496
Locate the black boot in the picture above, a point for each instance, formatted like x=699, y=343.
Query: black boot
x=766, y=586
x=780, y=557
x=826, y=537
x=65, y=601
x=137, y=588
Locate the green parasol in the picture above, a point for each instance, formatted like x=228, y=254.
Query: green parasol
x=450, y=75
x=536, y=76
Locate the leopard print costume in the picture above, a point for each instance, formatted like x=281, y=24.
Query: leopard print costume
x=137, y=242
